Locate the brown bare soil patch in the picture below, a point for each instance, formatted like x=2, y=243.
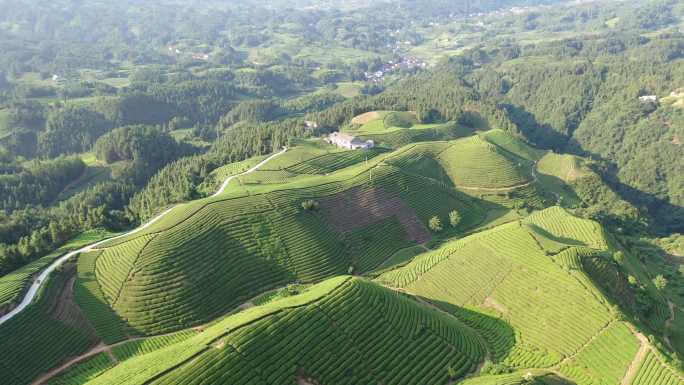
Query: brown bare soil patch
x=360, y=207
x=637, y=361
x=66, y=310
x=491, y=303
x=365, y=118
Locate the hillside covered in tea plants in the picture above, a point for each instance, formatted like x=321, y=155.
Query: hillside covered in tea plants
x=439, y=261
x=367, y=192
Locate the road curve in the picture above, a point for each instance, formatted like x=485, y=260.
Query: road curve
x=35, y=286
x=258, y=165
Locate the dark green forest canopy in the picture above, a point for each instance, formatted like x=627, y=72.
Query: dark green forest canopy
x=526, y=184
x=577, y=94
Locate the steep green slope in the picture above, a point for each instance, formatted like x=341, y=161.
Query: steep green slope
x=653, y=371
x=507, y=270
x=42, y=336
x=209, y=256
x=342, y=331
x=476, y=163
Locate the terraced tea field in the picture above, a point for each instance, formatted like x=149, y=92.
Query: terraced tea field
x=329, y=334
x=58, y=326
x=251, y=286
x=476, y=163
x=654, y=372
x=495, y=267
x=12, y=285
x=224, y=250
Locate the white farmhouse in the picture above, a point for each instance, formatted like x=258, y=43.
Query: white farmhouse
x=648, y=98
x=349, y=141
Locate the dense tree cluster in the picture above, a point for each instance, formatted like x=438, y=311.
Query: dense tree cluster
x=33, y=232
x=37, y=183
x=577, y=95
x=71, y=130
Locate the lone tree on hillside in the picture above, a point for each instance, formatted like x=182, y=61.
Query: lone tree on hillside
x=435, y=224
x=632, y=280
x=660, y=282
x=619, y=257
x=454, y=218
x=310, y=205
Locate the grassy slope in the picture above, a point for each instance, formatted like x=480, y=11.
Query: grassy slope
x=469, y=160
x=221, y=252
x=216, y=253
x=504, y=273
x=654, y=372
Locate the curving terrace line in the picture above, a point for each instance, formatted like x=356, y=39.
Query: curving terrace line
x=35, y=286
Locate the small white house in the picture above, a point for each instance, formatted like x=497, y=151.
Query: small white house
x=349, y=141
x=649, y=98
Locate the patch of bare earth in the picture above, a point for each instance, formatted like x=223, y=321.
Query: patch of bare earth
x=67, y=311
x=638, y=359
x=365, y=118
x=491, y=303
x=360, y=207
x=52, y=373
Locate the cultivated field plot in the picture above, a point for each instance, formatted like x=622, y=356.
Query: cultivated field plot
x=216, y=178
x=12, y=285
x=209, y=256
x=476, y=163
x=605, y=359
x=358, y=208
x=85, y=371
x=512, y=144
x=493, y=269
x=52, y=321
x=654, y=372
x=343, y=331
x=562, y=166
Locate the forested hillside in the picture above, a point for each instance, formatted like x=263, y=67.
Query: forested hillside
x=174, y=208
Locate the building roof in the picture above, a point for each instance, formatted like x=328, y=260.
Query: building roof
x=341, y=136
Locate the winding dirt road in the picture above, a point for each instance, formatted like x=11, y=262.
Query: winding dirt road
x=35, y=286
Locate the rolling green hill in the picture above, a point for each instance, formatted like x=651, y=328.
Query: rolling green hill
x=394, y=129
x=508, y=271
x=344, y=330
x=477, y=163
x=211, y=255
x=501, y=297
x=472, y=299
x=222, y=251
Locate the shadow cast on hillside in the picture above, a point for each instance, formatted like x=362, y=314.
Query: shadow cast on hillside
x=542, y=135
x=496, y=333
x=670, y=217
x=548, y=235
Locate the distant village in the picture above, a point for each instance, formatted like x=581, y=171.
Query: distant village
x=409, y=63
x=194, y=55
